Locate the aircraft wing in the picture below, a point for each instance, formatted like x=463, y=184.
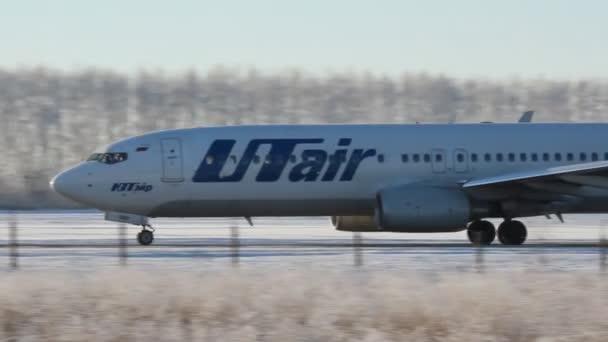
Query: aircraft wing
x=567, y=173
x=556, y=188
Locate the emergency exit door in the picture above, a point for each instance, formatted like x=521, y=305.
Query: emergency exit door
x=171, y=150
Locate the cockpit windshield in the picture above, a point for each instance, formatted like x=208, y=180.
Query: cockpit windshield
x=109, y=158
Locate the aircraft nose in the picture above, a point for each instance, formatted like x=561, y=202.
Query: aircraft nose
x=59, y=183
x=67, y=183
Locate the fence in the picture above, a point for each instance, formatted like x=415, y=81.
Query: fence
x=358, y=246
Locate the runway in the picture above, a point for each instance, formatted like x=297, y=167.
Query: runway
x=83, y=241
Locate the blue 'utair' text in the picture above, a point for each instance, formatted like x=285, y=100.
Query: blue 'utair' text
x=341, y=164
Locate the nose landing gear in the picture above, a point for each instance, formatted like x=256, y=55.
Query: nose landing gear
x=146, y=236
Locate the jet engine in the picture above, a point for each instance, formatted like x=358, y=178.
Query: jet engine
x=422, y=209
x=355, y=223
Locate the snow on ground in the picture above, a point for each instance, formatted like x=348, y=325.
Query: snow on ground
x=296, y=280
x=300, y=305
x=89, y=243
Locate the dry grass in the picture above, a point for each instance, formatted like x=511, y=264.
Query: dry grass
x=302, y=306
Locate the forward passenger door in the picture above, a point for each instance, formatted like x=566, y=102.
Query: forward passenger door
x=171, y=150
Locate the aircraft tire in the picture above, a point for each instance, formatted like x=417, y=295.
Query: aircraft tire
x=512, y=233
x=481, y=232
x=145, y=237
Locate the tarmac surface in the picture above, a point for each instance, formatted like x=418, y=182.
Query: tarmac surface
x=83, y=241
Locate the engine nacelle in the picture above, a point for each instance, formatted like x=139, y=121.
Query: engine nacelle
x=420, y=209
x=355, y=223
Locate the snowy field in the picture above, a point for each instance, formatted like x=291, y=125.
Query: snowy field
x=297, y=280
x=296, y=305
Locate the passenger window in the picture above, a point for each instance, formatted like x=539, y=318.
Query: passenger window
x=569, y=156
x=438, y=157
x=416, y=157
x=460, y=157
x=594, y=156
x=583, y=156
x=487, y=157
x=427, y=158
x=546, y=157
x=534, y=157
x=558, y=157
x=523, y=157
x=381, y=158
x=511, y=157
x=499, y=157
x=404, y=158
x=474, y=157
x=606, y=156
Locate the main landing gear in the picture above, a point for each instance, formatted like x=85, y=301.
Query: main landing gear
x=481, y=232
x=510, y=232
x=146, y=236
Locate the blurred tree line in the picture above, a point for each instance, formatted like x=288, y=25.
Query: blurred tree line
x=52, y=119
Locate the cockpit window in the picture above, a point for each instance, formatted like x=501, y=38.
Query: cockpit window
x=109, y=158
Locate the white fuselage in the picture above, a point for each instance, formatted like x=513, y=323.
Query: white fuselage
x=289, y=170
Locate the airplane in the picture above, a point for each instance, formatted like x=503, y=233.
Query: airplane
x=366, y=177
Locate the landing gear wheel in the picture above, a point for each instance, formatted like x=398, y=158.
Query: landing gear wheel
x=145, y=237
x=512, y=233
x=481, y=233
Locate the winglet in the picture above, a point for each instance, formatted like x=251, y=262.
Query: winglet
x=526, y=116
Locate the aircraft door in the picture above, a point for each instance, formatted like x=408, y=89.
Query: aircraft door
x=438, y=160
x=171, y=150
x=460, y=160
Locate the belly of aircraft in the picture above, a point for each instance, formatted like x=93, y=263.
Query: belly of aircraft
x=266, y=207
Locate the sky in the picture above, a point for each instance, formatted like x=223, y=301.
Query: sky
x=554, y=39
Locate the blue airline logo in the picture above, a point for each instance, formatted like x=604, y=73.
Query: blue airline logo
x=132, y=187
x=276, y=162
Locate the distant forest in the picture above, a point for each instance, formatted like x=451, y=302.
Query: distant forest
x=52, y=119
